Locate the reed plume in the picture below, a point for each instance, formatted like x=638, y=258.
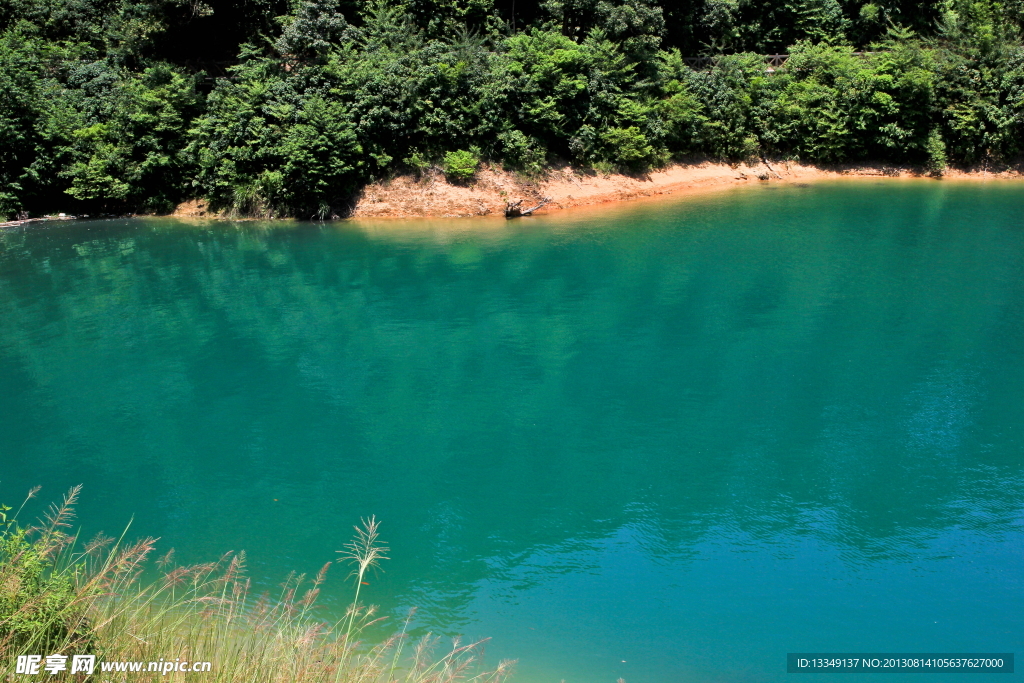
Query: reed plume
x=112, y=603
x=365, y=552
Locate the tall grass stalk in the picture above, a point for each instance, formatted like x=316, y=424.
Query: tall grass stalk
x=109, y=597
x=365, y=551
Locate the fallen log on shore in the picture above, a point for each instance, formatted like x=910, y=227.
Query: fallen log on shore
x=512, y=209
x=22, y=221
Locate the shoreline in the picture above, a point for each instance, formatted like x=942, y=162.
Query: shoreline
x=567, y=188
x=42, y=219
x=432, y=196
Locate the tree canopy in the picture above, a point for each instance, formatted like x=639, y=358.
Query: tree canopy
x=282, y=107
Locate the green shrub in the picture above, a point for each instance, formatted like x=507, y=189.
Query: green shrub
x=418, y=162
x=460, y=166
x=627, y=147
x=522, y=152
x=40, y=609
x=936, y=150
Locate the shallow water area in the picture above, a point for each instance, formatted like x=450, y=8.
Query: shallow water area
x=664, y=441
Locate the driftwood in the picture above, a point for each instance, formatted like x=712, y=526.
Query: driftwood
x=770, y=169
x=512, y=209
x=23, y=218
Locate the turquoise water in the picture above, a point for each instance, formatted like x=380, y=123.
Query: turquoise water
x=665, y=442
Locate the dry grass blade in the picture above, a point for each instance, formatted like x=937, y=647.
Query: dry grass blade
x=59, y=516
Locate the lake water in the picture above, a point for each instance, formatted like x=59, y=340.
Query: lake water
x=663, y=441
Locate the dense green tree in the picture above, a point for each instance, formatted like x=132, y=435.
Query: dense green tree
x=273, y=141
x=129, y=152
x=21, y=76
x=287, y=106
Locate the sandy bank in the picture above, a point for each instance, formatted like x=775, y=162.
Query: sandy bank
x=567, y=188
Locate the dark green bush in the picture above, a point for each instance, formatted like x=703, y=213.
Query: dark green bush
x=40, y=609
x=460, y=166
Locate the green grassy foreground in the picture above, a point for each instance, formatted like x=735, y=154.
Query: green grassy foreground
x=60, y=597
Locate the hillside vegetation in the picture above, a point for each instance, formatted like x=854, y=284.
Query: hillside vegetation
x=287, y=107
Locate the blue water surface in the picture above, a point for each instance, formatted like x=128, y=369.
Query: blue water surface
x=665, y=441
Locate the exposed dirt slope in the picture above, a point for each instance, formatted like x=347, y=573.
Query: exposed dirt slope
x=432, y=196
x=407, y=196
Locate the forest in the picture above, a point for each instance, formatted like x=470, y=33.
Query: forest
x=288, y=107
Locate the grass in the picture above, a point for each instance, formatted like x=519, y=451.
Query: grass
x=109, y=598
